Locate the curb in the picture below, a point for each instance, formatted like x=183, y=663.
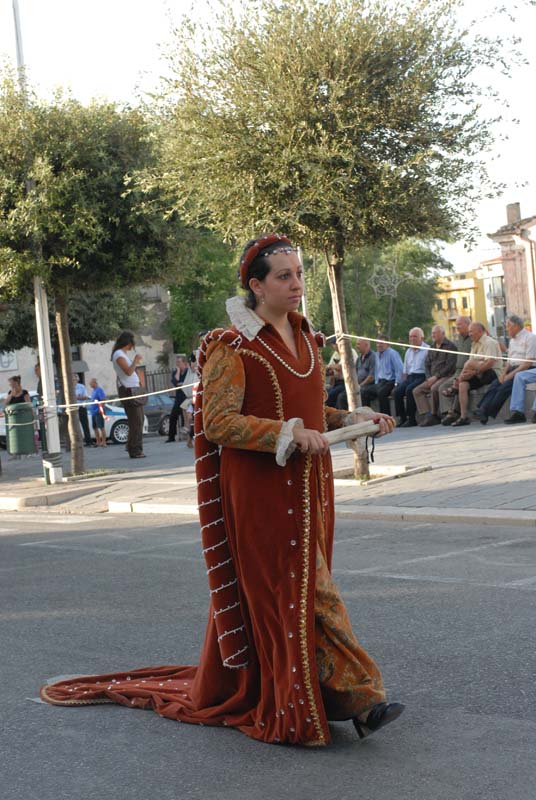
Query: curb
x=14, y=503
x=467, y=516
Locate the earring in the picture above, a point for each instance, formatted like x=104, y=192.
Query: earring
x=261, y=301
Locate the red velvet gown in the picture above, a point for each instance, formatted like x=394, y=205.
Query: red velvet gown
x=293, y=661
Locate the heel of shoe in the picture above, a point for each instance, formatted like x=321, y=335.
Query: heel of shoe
x=379, y=716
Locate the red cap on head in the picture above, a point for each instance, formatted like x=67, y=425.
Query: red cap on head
x=253, y=251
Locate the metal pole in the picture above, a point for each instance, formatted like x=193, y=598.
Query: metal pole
x=52, y=464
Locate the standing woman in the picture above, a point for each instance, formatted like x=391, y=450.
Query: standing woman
x=280, y=658
x=16, y=393
x=128, y=386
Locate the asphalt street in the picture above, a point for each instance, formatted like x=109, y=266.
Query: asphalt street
x=447, y=611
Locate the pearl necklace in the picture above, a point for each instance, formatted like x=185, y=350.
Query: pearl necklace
x=284, y=363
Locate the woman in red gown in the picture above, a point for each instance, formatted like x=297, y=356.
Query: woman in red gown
x=279, y=657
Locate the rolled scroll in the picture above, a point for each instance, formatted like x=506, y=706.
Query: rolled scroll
x=351, y=432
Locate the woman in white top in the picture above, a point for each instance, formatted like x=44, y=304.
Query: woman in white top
x=128, y=386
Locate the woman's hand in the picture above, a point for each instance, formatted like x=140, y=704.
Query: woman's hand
x=309, y=441
x=138, y=359
x=387, y=424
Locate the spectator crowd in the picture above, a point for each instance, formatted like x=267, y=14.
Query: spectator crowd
x=446, y=382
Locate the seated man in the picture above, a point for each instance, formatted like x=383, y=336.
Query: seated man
x=482, y=368
x=412, y=375
x=366, y=369
x=449, y=408
x=337, y=390
x=439, y=366
x=521, y=358
x=517, y=402
x=388, y=372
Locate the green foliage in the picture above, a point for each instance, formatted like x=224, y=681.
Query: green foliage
x=345, y=123
x=198, y=298
x=65, y=210
x=93, y=317
x=404, y=303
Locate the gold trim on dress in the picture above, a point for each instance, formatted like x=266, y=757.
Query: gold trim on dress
x=273, y=379
x=303, y=601
x=45, y=696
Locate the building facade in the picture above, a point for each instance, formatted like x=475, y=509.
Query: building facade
x=517, y=240
x=459, y=295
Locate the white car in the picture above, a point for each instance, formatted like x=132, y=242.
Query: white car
x=115, y=421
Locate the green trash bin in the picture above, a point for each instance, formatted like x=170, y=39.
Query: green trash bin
x=20, y=429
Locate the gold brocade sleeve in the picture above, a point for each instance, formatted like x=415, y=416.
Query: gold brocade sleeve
x=223, y=395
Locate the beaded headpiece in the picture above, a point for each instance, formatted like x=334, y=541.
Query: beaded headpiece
x=253, y=251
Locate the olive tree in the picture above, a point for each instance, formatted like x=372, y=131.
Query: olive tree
x=342, y=123
x=66, y=213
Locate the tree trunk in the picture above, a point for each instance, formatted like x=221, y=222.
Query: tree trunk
x=390, y=315
x=64, y=341
x=336, y=286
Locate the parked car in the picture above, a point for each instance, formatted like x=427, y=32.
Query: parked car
x=157, y=410
x=116, y=423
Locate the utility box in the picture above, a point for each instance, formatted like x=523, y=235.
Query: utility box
x=20, y=429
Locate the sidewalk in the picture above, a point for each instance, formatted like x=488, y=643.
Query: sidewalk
x=480, y=473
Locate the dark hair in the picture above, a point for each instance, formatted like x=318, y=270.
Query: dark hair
x=15, y=378
x=259, y=268
x=126, y=337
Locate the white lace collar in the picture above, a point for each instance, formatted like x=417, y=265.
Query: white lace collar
x=245, y=320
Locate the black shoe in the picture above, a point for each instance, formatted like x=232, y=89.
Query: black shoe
x=517, y=416
x=449, y=419
x=430, y=420
x=460, y=422
x=140, y=455
x=379, y=716
x=168, y=441
x=533, y=418
x=481, y=416
x=409, y=423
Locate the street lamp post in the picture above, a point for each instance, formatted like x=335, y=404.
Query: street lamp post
x=52, y=464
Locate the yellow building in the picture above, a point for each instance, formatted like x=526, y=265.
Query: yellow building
x=459, y=295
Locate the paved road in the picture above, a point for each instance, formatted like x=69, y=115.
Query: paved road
x=447, y=611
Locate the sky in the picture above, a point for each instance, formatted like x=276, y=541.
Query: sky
x=111, y=49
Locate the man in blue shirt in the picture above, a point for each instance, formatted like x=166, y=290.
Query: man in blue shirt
x=412, y=375
x=97, y=416
x=389, y=369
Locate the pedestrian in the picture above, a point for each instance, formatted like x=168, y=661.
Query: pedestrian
x=82, y=397
x=280, y=657
x=97, y=412
x=129, y=387
x=190, y=383
x=178, y=376
x=16, y=393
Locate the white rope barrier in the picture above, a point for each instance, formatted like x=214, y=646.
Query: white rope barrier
x=423, y=347
x=111, y=401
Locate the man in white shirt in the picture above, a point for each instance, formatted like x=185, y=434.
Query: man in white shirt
x=521, y=357
x=413, y=374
